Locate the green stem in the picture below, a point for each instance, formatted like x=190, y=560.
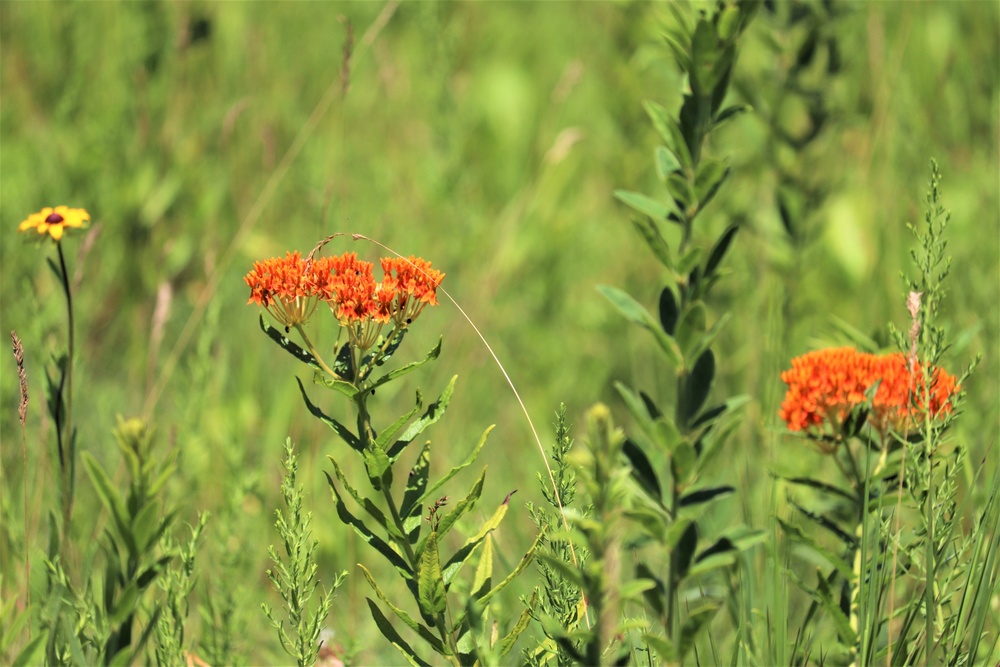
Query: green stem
x=67, y=449
x=315, y=354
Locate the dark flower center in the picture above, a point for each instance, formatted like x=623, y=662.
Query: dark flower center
x=54, y=219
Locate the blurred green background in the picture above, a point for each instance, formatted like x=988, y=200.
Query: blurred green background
x=487, y=138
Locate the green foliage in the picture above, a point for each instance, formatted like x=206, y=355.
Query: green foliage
x=294, y=575
x=177, y=582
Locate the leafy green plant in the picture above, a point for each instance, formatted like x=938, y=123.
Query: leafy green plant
x=376, y=317
x=689, y=437
x=295, y=575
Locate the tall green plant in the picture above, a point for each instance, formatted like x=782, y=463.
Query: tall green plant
x=688, y=435
x=405, y=526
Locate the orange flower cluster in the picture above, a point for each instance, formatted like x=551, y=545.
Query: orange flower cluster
x=825, y=385
x=290, y=289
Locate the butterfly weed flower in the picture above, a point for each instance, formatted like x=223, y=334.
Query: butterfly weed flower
x=824, y=386
x=413, y=284
x=54, y=222
x=289, y=288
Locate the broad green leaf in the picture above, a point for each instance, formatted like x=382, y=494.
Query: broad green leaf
x=684, y=553
x=713, y=562
x=683, y=463
x=341, y=386
x=449, y=519
x=377, y=463
x=689, y=260
x=840, y=621
x=642, y=469
x=408, y=368
x=454, y=471
x=507, y=643
x=719, y=249
x=125, y=606
x=706, y=341
x=389, y=434
x=345, y=433
x=390, y=633
x=483, y=581
x=425, y=633
x=369, y=506
x=744, y=538
x=696, y=387
x=668, y=311
x=681, y=190
x=654, y=208
x=695, y=622
x=286, y=344
x=144, y=524
x=650, y=233
x=690, y=327
x=662, y=647
x=367, y=535
x=111, y=499
x=456, y=562
x=796, y=535
x=524, y=562
x=701, y=496
x=666, y=162
x=430, y=581
x=433, y=413
x=712, y=173
x=631, y=590
x=668, y=130
x=637, y=314
x=416, y=484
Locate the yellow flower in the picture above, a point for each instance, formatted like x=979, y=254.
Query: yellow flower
x=53, y=221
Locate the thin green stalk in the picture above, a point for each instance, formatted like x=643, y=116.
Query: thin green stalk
x=314, y=353
x=65, y=438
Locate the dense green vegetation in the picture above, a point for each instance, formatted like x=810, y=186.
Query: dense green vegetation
x=487, y=138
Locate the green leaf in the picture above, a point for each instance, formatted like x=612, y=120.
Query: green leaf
x=719, y=249
x=637, y=314
x=389, y=434
x=796, y=535
x=731, y=112
x=433, y=413
x=483, y=581
x=689, y=260
x=367, y=535
x=416, y=484
x=425, y=633
x=661, y=432
x=430, y=581
x=683, y=462
x=819, y=486
x=369, y=505
x=712, y=173
x=408, y=368
x=125, y=606
x=695, y=622
x=685, y=549
x=656, y=595
x=145, y=524
x=696, y=387
x=111, y=499
x=376, y=464
x=454, y=471
x=662, y=647
x=681, y=190
x=701, y=496
x=463, y=506
x=706, y=341
x=691, y=327
x=650, y=233
x=456, y=562
x=666, y=162
x=526, y=559
x=286, y=344
x=654, y=208
x=642, y=469
x=668, y=130
x=830, y=606
x=668, y=311
x=345, y=433
x=508, y=641
x=390, y=633
x=29, y=654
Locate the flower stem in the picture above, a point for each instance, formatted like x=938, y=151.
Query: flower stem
x=67, y=448
x=315, y=354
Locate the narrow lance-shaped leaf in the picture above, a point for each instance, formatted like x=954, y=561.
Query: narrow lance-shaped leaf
x=526, y=559
x=345, y=433
x=416, y=483
x=410, y=367
x=286, y=344
x=449, y=519
x=457, y=560
x=655, y=209
x=433, y=413
x=719, y=249
x=650, y=232
x=637, y=314
x=430, y=581
x=390, y=633
x=389, y=434
x=454, y=471
x=425, y=633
